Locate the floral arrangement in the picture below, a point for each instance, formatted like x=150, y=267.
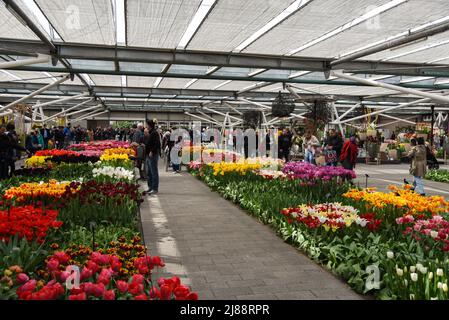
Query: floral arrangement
x=118, y=173
x=433, y=231
x=330, y=216
x=37, y=162
x=40, y=190
x=115, y=159
x=100, y=279
x=128, y=151
x=91, y=153
x=411, y=202
x=419, y=281
x=28, y=222
x=56, y=152
x=99, y=145
x=271, y=174
x=240, y=168
x=309, y=172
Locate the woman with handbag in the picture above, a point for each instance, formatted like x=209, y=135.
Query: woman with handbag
x=418, y=166
x=333, y=145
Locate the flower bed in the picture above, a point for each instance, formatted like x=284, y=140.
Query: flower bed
x=75, y=215
x=349, y=231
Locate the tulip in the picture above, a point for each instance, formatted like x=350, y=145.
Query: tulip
x=423, y=270
x=444, y=287
x=22, y=278
x=430, y=275
x=109, y=295
x=400, y=272
x=414, y=277
x=122, y=286
x=412, y=269
x=390, y=254
x=440, y=285
x=440, y=272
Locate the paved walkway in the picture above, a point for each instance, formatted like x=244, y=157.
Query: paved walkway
x=381, y=176
x=223, y=253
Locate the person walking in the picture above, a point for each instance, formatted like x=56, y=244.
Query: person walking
x=333, y=145
x=311, y=143
x=418, y=166
x=46, y=134
x=285, y=143
x=9, y=148
x=153, y=151
x=348, y=155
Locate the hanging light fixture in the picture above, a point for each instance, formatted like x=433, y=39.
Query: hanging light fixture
x=283, y=105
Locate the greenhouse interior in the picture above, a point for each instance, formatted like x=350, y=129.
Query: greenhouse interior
x=224, y=150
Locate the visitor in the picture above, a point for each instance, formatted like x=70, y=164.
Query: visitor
x=285, y=144
x=152, y=150
x=178, y=149
x=14, y=153
x=418, y=165
x=333, y=145
x=432, y=161
x=39, y=139
x=138, y=134
x=67, y=135
x=212, y=144
x=9, y=149
x=310, y=147
x=348, y=155
x=59, y=137
x=46, y=134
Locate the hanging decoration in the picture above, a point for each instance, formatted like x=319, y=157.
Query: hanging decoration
x=319, y=113
x=252, y=119
x=283, y=105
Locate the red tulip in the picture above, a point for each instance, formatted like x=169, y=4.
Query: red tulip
x=109, y=295
x=80, y=296
x=122, y=286
x=52, y=265
x=22, y=278
x=141, y=297
x=165, y=292
x=135, y=288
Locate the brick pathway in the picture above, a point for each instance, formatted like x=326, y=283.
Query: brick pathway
x=224, y=253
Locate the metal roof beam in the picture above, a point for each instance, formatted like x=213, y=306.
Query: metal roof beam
x=219, y=59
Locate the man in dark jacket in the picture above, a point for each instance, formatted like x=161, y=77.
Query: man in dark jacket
x=8, y=148
x=153, y=152
x=285, y=144
x=46, y=134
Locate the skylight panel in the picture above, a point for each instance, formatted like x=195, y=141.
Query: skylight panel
x=120, y=24
x=396, y=36
x=295, y=6
x=11, y=74
x=157, y=82
x=42, y=20
x=369, y=15
x=188, y=84
x=426, y=47
x=200, y=15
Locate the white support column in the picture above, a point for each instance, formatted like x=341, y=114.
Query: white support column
x=348, y=111
x=41, y=58
x=208, y=117
x=81, y=95
x=220, y=113
x=69, y=109
x=399, y=119
x=32, y=94
x=84, y=110
x=393, y=122
x=90, y=114
x=255, y=103
x=201, y=118
x=374, y=83
x=336, y=117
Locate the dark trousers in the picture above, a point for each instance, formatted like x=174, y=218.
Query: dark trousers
x=153, y=172
x=3, y=169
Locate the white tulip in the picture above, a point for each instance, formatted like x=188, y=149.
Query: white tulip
x=390, y=254
x=412, y=269
x=419, y=266
x=399, y=272
x=433, y=234
x=412, y=296
x=430, y=275
x=440, y=285
x=440, y=272
x=436, y=298
x=444, y=287
x=414, y=276
x=405, y=282
x=423, y=270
